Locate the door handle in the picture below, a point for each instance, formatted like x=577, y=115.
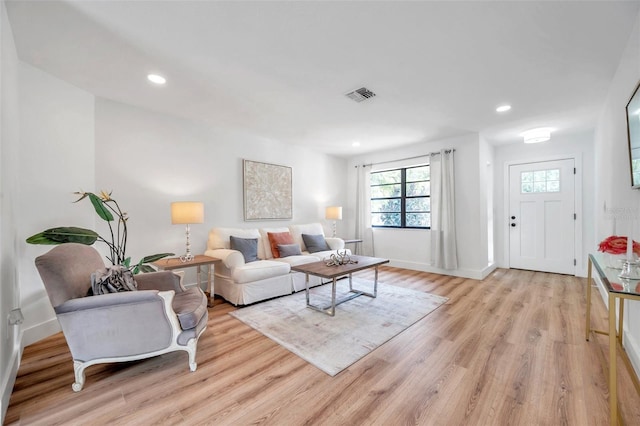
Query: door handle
x=513, y=217
x=513, y=225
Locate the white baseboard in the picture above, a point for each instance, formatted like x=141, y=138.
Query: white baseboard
x=40, y=331
x=478, y=274
x=633, y=350
x=9, y=379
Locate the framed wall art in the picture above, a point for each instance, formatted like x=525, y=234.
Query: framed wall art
x=267, y=191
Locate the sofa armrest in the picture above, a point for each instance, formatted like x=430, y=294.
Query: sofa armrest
x=162, y=280
x=230, y=258
x=335, y=243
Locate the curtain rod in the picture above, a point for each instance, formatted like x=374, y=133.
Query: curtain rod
x=431, y=154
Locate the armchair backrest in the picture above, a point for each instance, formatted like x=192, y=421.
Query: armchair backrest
x=66, y=271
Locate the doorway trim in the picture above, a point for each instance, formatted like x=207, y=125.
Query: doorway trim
x=577, y=239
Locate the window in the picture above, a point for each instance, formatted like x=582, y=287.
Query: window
x=540, y=181
x=400, y=198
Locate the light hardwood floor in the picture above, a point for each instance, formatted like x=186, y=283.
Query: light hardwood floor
x=509, y=350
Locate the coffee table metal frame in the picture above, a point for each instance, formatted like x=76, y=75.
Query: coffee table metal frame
x=320, y=269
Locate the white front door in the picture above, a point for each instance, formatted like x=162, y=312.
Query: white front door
x=542, y=216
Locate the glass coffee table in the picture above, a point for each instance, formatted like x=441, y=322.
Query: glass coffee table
x=320, y=269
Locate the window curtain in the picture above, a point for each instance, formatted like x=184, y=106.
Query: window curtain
x=443, y=214
x=364, y=231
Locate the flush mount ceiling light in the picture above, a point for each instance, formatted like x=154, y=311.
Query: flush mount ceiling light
x=537, y=135
x=503, y=108
x=157, y=79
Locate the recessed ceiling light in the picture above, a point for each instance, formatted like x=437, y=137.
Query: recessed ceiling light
x=537, y=135
x=355, y=144
x=157, y=79
x=503, y=108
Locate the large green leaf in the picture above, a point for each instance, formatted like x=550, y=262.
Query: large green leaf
x=66, y=234
x=100, y=208
x=41, y=239
x=146, y=269
x=154, y=257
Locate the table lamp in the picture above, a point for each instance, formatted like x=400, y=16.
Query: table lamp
x=333, y=213
x=186, y=213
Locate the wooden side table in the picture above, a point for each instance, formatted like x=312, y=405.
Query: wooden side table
x=354, y=241
x=198, y=261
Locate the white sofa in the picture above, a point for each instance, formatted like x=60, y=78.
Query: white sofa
x=242, y=283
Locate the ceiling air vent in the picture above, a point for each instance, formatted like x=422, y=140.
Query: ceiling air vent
x=361, y=94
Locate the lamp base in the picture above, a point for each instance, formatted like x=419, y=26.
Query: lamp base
x=187, y=257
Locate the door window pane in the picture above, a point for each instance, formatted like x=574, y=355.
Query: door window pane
x=540, y=181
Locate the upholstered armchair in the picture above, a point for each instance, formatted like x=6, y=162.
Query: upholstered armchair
x=160, y=317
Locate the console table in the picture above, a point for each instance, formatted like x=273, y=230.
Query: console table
x=198, y=261
x=621, y=289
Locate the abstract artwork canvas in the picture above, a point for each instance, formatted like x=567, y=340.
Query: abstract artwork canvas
x=267, y=191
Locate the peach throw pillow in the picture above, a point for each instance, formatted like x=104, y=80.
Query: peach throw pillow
x=276, y=238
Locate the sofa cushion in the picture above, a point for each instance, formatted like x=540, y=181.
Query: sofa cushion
x=190, y=306
x=259, y=270
x=277, y=238
x=247, y=246
x=315, y=243
x=309, y=228
x=299, y=260
x=289, y=250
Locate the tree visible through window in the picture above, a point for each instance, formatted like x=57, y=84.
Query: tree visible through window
x=400, y=198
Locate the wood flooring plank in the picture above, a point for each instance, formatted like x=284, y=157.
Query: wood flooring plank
x=506, y=350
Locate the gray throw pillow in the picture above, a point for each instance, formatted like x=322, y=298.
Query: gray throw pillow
x=289, y=250
x=315, y=243
x=247, y=246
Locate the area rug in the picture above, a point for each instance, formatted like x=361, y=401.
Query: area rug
x=359, y=326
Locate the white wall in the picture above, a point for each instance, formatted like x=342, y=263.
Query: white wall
x=150, y=159
x=56, y=158
x=579, y=146
x=410, y=248
x=9, y=143
x=611, y=173
x=485, y=221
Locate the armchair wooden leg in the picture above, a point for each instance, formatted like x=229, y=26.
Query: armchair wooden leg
x=191, y=350
x=78, y=369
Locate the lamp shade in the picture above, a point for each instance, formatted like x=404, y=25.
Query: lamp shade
x=186, y=212
x=333, y=213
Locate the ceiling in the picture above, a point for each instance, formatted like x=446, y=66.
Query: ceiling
x=280, y=70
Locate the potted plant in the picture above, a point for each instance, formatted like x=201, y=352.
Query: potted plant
x=108, y=210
